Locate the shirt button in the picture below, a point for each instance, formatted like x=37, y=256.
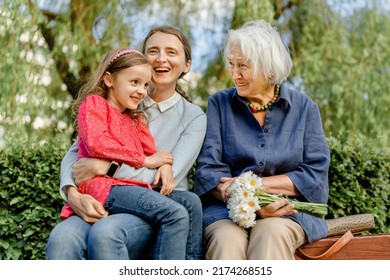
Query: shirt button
x=266, y=130
x=261, y=164
x=262, y=145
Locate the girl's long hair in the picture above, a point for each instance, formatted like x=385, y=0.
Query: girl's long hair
x=95, y=84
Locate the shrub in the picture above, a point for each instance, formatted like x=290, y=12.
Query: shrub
x=359, y=181
x=29, y=198
x=30, y=202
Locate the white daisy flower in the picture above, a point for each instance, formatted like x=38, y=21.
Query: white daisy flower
x=243, y=204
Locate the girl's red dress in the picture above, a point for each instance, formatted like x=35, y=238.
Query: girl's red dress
x=104, y=132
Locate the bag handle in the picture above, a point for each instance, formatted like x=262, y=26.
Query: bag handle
x=340, y=243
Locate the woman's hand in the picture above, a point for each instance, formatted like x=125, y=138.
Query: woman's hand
x=278, y=184
x=277, y=209
x=158, y=159
x=222, y=190
x=164, y=176
x=88, y=168
x=85, y=206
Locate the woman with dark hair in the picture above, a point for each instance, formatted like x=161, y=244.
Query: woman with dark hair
x=178, y=127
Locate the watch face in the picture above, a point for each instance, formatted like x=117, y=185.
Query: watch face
x=112, y=169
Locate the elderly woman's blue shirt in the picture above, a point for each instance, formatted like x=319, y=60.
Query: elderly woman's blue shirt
x=292, y=142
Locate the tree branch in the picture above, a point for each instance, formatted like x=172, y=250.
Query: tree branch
x=60, y=60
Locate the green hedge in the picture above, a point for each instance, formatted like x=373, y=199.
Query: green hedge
x=359, y=180
x=30, y=202
x=29, y=198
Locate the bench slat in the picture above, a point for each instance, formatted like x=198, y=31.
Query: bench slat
x=360, y=247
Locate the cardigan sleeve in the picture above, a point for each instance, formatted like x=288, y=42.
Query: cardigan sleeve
x=188, y=146
x=147, y=140
x=66, y=174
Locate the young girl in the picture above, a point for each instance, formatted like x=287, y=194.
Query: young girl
x=111, y=126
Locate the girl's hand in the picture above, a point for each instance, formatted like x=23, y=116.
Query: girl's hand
x=158, y=159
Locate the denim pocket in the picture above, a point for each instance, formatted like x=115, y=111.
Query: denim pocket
x=149, y=199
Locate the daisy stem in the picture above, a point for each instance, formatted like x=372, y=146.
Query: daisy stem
x=315, y=209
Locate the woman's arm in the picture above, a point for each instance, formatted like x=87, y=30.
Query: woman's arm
x=279, y=184
x=188, y=147
x=84, y=205
x=66, y=175
x=142, y=174
x=184, y=152
x=210, y=167
x=311, y=176
x=279, y=208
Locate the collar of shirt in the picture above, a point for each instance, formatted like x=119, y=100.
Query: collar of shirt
x=284, y=94
x=163, y=105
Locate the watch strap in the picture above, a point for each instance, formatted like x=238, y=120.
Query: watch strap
x=112, y=169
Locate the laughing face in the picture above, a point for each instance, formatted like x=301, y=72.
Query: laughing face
x=127, y=88
x=165, y=54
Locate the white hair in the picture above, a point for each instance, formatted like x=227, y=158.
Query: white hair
x=262, y=46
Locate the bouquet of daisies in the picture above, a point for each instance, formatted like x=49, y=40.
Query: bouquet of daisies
x=246, y=197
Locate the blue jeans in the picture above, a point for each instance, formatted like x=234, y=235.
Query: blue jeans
x=195, y=234
x=68, y=240
x=121, y=236
x=168, y=216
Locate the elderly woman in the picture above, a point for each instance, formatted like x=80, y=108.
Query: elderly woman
x=264, y=126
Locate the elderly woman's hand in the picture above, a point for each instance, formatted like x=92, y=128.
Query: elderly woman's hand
x=277, y=209
x=222, y=190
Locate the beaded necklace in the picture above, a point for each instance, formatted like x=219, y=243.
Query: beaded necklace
x=256, y=109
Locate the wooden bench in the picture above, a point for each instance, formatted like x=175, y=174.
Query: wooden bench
x=360, y=247
x=349, y=246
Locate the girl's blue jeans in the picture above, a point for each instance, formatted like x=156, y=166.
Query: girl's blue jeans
x=133, y=236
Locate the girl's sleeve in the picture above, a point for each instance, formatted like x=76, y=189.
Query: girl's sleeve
x=94, y=134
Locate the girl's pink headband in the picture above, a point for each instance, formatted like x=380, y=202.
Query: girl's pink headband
x=123, y=52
